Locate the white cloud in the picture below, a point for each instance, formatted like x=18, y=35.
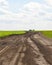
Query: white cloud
x=4, y=8
x=35, y=11
x=32, y=16
x=49, y=2
x=44, y=25
x=40, y=25
x=30, y=10
x=4, y=4
x=32, y=6
x=2, y=0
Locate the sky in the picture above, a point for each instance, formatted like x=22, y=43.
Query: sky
x=25, y=14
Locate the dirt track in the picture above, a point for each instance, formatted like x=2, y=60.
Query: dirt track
x=28, y=49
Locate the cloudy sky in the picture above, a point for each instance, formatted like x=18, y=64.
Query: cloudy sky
x=25, y=14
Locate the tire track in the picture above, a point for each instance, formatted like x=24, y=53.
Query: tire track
x=22, y=56
x=43, y=40
x=29, y=56
x=40, y=60
x=13, y=62
x=47, y=53
x=4, y=50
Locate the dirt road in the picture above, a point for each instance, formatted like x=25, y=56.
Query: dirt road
x=27, y=49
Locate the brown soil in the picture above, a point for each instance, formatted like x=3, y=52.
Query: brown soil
x=27, y=49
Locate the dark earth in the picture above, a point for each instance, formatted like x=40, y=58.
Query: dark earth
x=26, y=49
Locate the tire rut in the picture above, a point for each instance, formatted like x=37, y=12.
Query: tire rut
x=14, y=60
x=39, y=59
x=22, y=54
x=4, y=50
x=47, y=53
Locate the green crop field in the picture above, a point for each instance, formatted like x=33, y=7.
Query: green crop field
x=6, y=33
x=47, y=33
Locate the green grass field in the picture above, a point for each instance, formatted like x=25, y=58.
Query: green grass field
x=6, y=33
x=47, y=33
